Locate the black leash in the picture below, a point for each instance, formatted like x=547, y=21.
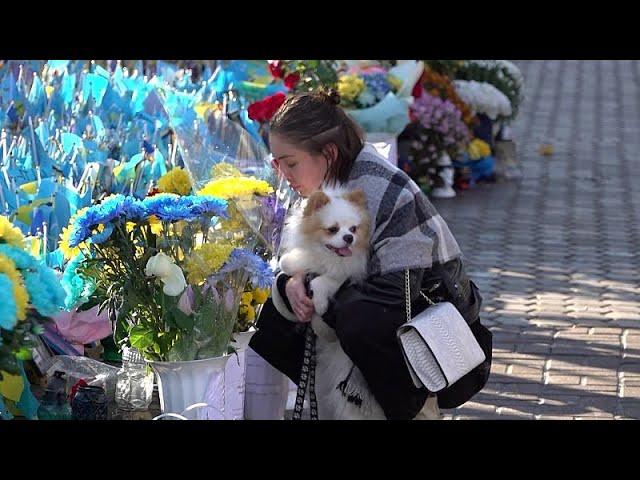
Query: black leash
x=308, y=373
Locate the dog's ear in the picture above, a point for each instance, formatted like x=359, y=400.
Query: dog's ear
x=357, y=197
x=316, y=201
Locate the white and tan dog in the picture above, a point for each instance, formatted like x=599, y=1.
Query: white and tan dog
x=330, y=238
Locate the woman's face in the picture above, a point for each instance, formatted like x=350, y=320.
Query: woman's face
x=305, y=172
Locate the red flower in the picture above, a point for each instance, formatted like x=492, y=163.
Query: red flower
x=263, y=110
x=276, y=68
x=291, y=80
x=417, y=89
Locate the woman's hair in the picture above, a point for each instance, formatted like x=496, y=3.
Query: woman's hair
x=311, y=121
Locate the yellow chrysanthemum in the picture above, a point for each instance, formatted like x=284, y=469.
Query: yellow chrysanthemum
x=10, y=234
x=234, y=187
x=223, y=169
x=206, y=260
x=67, y=251
x=247, y=312
x=260, y=295
x=154, y=222
x=246, y=298
x=478, y=149
x=19, y=291
x=175, y=181
x=156, y=225
x=350, y=86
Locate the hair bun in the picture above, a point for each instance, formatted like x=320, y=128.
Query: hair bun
x=330, y=95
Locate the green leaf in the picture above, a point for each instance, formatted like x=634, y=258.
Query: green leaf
x=141, y=337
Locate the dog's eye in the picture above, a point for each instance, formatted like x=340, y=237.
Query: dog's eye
x=332, y=230
x=353, y=229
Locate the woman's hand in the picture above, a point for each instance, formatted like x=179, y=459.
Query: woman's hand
x=296, y=292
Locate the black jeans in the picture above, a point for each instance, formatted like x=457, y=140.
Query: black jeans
x=366, y=331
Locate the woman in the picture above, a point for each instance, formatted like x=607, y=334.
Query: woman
x=314, y=142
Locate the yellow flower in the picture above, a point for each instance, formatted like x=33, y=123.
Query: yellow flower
x=10, y=234
x=175, y=181
x=394, y=82
x=350, y=86
x=247, y=312
x=19, y=291
x=156, y=225
x=49, y=90
x=260, y=295
x=246, y=298
x=67, y=251
x=223, y=169
x=234, y=187
x=478, y=149
x=206, y=260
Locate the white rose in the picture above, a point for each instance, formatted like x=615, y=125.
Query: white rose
x=169, y=273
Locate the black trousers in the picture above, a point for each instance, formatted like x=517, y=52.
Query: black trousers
x=367, y=333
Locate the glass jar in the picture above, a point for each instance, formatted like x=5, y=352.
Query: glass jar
x=134, y=387
x=54, y=404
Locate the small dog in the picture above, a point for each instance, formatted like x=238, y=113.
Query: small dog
x=331, y=240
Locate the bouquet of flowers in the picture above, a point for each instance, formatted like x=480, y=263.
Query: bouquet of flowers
x=379, y=99
x=438, y=130
x=440, y=85
x=31, y=295
x=168, y=274
x=484, y=98
x=440, y=125
x=502, y=74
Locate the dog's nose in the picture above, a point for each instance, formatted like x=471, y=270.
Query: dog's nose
x=348, y=238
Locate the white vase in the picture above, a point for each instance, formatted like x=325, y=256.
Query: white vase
x=266, y=389
x=235, y=376
x=184, y=384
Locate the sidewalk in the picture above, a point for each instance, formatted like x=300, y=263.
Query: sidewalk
x=556, y=255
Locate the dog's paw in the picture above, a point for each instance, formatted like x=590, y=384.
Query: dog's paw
x=320, y=295
x=287, y=264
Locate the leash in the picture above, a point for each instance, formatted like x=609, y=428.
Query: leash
x=308, y=373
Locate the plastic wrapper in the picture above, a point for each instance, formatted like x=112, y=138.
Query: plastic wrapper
x=87, y=369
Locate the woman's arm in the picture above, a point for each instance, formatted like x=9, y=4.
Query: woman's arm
x=388, y=289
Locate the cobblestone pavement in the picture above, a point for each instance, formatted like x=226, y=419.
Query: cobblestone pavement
x=556, y=254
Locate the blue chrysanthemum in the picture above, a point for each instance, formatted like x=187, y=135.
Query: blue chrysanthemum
x=260, y=272
x=8, y=308
x=208, y=205
x=77, y=287
x=19, y=257
x=45, y=293
x=169, y=207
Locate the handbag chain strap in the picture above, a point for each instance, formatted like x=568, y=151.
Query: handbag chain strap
x=407, y=293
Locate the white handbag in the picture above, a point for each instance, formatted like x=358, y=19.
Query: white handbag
x=437, y=344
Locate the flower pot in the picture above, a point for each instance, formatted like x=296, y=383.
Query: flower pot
x=184, y=384
x=266, y=389
x=234, y=378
